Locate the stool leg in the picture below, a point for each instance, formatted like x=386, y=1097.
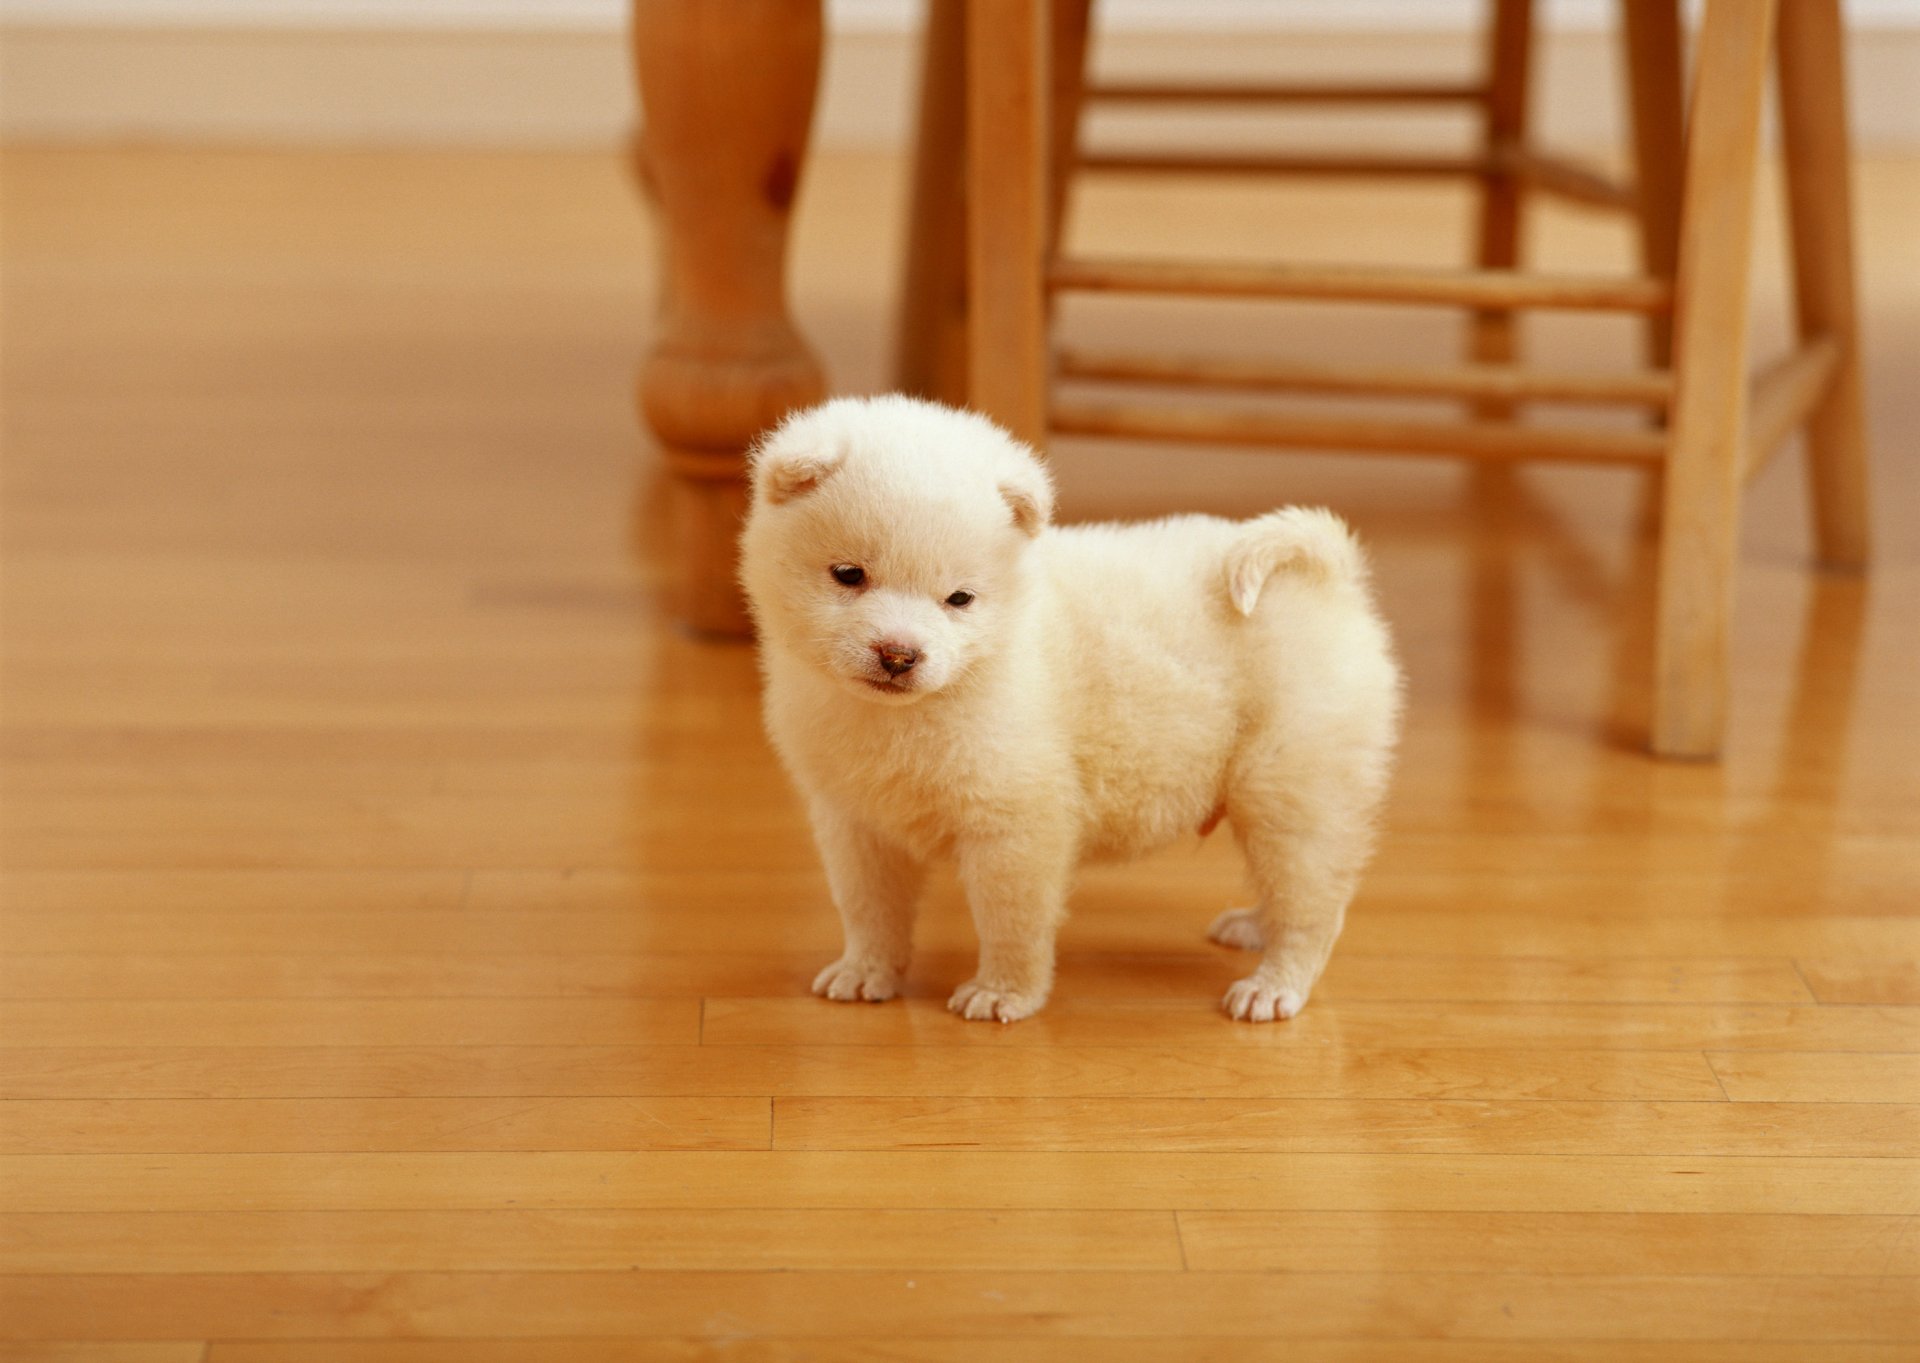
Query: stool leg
x=1813, y=130
x=1008, y=78
x=1656, y=94
x=931, y=360
x=1509, y=52
x=1701, y=496
x=1071, y=19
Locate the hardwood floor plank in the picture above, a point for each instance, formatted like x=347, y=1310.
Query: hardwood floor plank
x=637, y=928
x=231, y=889
x=925, y=1022
x=392, y=831
x=1053, y=1350
x=932, y=1305
x=1174, y=895
x=1335, y=1126
x=1732, y=932
x=871, y=1071
x=977, y=1180
x=1309, y=1242
x=1399, y=1242
x=100, y=1351
x=300, y=1126
x=808, y=926
x=573, y=1241
x=1887, y=980
x=1849, y=1077
x=296, y=1022
x=1138, y=976
x=346, y=830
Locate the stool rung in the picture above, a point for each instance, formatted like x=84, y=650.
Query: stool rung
x=1506, y=382
x=1547, y=174
x=1123, y=161
x=1783, y=394
x=1476, y=440
x=1490, y=290
x=1185, y=92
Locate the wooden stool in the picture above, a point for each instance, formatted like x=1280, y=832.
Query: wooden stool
x=984, y=263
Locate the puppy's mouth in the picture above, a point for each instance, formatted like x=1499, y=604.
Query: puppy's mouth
x=898, y=690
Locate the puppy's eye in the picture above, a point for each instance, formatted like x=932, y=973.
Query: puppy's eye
x=848, y=574
x=960, y=599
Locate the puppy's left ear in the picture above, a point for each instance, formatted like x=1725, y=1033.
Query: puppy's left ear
x=1030, y=498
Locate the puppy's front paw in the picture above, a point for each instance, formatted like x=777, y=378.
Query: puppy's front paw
x=985, y=1003
x=1239, y=929
x=854, y=979
x=1256, y=1000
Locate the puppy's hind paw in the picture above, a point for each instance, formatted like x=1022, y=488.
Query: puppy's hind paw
x=1255, y=1000
x=984, y=1003
x=1239, y=929
x=852, y=979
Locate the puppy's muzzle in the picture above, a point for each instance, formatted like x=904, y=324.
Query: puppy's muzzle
x=896, y=660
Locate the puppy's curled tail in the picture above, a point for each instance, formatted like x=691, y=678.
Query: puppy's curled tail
x=1309, y=541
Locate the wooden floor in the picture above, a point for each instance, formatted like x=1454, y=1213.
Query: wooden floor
x=407, y=930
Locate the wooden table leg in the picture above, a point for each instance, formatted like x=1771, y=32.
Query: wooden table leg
x=727, y=87
x=1699, y=530
x=1819, y=165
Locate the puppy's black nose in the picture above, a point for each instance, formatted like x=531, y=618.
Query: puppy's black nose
x=897, y=658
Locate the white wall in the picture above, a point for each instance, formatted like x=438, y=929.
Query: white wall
x=520, y=73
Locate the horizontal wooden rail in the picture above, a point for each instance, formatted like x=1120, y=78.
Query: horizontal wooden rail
x=1474, y=440
x=1548, y=174
x=1783, y=394
x=1506, y=382
x=1182, y=92
x=1498, y=290
x=1122, y=161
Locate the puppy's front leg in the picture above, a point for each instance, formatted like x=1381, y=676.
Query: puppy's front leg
x=876, y=886
x=1017, y=887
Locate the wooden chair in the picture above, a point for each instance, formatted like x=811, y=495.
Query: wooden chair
x=985, y=262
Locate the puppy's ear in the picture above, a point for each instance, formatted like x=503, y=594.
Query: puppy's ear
x=786, y=474
x=1031, y=501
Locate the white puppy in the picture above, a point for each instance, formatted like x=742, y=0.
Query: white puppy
x=948, y=675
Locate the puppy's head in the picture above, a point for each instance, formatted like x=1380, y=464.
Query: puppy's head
x=885, y=541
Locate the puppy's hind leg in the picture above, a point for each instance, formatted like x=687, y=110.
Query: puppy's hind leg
x=1304, y=857
x=876, y=886
x=1237, y=928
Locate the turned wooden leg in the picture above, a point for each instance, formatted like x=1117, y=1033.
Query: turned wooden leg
x=1813, y=131
x=727, y=88
x=1656, y=94
x=931, y=361
x=1701, y=498
x=1008, y=76
x=1509, y=52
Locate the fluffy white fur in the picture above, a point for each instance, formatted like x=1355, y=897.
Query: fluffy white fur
x=1108, y=689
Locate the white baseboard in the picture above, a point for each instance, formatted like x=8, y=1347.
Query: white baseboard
x=554, y=73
